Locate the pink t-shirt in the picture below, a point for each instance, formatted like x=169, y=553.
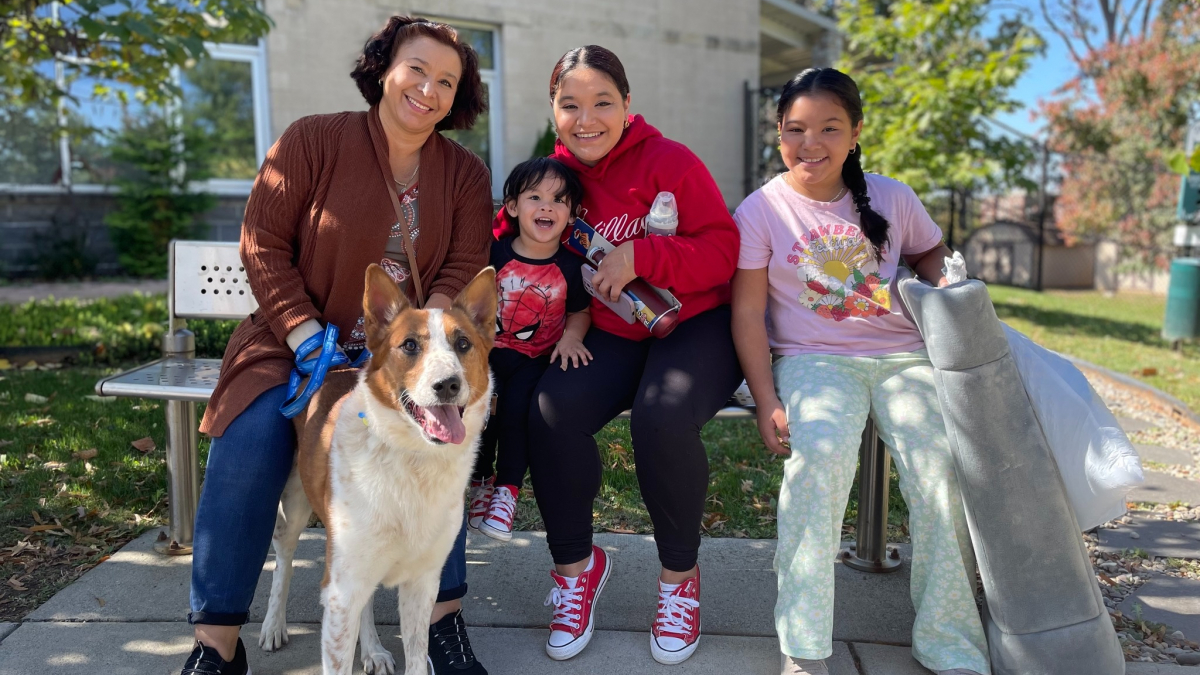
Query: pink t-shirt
x=827, y=295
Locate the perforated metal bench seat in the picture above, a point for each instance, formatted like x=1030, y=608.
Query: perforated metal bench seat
x=170, y=379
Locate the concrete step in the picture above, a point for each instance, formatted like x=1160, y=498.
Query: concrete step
x=508, y=584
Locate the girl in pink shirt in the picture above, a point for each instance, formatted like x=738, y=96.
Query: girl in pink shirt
x=823, y=344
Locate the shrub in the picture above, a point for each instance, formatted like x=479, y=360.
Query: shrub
x=545, y=143
x=109, y=330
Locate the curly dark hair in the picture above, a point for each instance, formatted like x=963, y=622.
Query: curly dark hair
x=469, y=100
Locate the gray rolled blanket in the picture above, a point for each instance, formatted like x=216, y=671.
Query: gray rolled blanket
x=1044, y=614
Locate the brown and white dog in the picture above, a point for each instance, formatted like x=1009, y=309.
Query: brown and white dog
x=384, y=455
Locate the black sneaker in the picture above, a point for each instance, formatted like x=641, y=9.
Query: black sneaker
x=450, y=649
x=206, y=661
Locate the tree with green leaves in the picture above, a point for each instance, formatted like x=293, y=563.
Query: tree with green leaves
x=930, y=74
x=158, y=161
x=130, y=42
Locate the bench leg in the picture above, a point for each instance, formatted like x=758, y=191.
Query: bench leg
x=183, y=480
x=871, y=552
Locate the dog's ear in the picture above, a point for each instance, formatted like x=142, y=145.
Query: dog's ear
x=478, y=300
x=382, y=301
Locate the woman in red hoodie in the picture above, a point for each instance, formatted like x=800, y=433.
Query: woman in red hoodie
x=674, y=384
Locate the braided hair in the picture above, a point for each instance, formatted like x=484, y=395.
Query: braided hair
x=845, y=91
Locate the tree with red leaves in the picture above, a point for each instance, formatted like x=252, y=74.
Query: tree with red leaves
x=1118, y=124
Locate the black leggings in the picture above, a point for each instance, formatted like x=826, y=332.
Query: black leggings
x=674, y=386
x=506, y=438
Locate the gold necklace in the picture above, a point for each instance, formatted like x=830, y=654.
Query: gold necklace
x=405, y=184
x=792, y=182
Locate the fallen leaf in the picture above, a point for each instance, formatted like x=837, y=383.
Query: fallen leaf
x=90, y=453
x=100, y=399
x=54, y=466
x=143, y=445
x=45, y=528
x=31, y=365
x=37, y=517
x=35, y=398
x=6, y=442
x=1149, y=372
x=621, y=530
x=5, y=364
x=747, y=485
x=16, y=584
x=99, y=600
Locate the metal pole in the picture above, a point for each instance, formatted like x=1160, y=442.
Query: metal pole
x=751, y=140
x=1042, y=217
x=871, y=553
x=950, y=234
x=183, y=457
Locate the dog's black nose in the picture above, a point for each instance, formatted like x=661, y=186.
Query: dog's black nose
x=447, y=389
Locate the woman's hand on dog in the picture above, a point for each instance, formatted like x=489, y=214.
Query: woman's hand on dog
x=570, y=348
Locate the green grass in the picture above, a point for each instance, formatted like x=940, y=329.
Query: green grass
x=1122, y=333
x=70, y=512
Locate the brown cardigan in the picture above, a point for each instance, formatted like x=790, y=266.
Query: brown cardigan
x=317, y=216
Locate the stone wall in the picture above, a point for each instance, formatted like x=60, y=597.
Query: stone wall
x=33, y=223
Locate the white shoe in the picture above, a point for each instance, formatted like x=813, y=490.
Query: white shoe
x=498, y=522
x=794, y=666
x=478, y=498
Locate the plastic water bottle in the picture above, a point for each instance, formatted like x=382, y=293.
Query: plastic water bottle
x=663, y=218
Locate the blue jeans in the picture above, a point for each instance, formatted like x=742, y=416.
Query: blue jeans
x=247, y=469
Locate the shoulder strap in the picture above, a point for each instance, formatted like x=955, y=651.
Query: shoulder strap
x=414, y=268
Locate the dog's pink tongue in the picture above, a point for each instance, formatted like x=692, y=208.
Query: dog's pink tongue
x=444, y=423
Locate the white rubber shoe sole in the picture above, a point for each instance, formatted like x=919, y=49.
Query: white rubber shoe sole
x=498, y=535
x=668, y=658
x=577, y=645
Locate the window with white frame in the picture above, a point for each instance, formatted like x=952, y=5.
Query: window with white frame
x=486, y=138
x=51, y=146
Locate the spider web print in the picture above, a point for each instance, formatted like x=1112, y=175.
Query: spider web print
x=531, y=311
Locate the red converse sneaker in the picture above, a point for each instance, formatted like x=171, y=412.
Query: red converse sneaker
x=574, y=607
x=498, y=522
x=478, y=498
x=676, y=631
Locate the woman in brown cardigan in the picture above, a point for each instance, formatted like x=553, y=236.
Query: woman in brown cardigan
x=319, y=214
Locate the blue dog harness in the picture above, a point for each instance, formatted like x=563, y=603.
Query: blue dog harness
x=315, y=369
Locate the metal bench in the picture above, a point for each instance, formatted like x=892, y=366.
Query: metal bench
x=206, y=280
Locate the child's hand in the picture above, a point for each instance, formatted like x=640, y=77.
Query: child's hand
x=773, y=426
x=571, y=348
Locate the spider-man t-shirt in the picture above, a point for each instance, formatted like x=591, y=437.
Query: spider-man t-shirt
x=535, y=297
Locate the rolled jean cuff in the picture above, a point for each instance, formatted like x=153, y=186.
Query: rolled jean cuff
x=215, y=619
x=456, y=593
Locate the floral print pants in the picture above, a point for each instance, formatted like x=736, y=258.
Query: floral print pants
x=828, y=399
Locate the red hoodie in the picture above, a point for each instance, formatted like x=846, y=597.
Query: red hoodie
x=696, y=263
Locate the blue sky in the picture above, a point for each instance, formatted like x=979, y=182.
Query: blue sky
x=1047, y=73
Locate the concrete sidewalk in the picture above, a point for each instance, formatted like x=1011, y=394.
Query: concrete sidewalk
x=126, y=616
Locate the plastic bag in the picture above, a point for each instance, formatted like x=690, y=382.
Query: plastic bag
x=1097, y=462
x=955, y=268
